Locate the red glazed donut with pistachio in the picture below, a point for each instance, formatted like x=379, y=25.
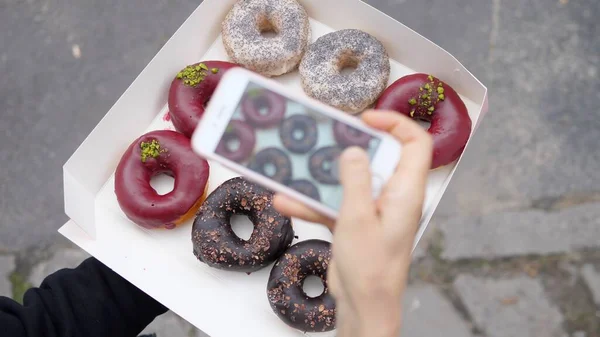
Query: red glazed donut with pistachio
x=191, y=90
x=424, y=97
x=160, y=152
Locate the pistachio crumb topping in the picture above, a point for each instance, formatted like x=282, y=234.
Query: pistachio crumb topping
x=430, y=94
x=151, y=149
x=194, y=74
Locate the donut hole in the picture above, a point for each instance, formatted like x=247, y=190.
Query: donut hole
x=267, y=28
x=163, y=183
x=242, y=226
x=269, y=169
x=298, y=134
x=261, y=104
x=331, y=166
x=313, y=286
x=424, y=124
x=233, y=144
x=348, y=63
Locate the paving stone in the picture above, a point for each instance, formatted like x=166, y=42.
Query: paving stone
x=7, y=266
x=520, y=233
x=423, y=245
x=516, y=307
x=427, y=312
x=421, y=250
x=579, y=334
x=592, y=279
x=64, y=258
x=533, y=143
x=169, y=325
x=38, y=135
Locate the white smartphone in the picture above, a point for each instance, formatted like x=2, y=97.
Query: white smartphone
x=286, y=141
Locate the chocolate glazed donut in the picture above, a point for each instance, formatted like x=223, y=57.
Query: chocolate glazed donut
x=305, y=125
x=191, y=90
x=216, y=244
x=306, y=187
x=257, y=99
x=321, y=165
x=278, y=159
x=284, y=290
x=426, y=98
x=160, y=152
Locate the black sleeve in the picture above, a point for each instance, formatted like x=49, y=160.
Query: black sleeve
x=89, y=301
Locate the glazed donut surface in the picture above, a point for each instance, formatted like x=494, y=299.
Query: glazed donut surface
x=160, y=152
x=424, y=97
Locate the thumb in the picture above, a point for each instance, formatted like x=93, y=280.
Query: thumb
x=355, y=176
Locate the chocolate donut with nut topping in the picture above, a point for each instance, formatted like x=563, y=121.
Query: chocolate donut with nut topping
x=217, y=245
x=286, y=295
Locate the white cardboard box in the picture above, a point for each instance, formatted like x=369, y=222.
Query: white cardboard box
x=161, y=262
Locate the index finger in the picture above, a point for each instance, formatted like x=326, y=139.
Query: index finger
x=416, y=142
x=406, y=187
x=292, y=208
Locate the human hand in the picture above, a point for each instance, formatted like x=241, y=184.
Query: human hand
x=373, y=239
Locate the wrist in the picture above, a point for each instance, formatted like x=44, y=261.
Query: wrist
x=369, y=323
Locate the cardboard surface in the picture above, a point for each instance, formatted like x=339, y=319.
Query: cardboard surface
x=161, y=262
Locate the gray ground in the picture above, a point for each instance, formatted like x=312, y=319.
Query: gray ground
x=514, y=247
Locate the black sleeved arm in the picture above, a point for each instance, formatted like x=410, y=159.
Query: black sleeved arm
x=88, y=301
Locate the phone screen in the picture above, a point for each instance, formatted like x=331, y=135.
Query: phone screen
x=290, y=143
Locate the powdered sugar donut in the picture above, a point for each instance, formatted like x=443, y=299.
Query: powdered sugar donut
x=321, y=70
x=244, y=37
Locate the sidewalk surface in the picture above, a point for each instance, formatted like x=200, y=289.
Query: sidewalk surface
x=514, y=248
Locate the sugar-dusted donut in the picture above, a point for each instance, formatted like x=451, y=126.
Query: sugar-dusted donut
x=286, y=295
x=191, y=90
x=244, y=40
x=160, y=152
x=424, y=97
x=217, y=245
x=321, y=70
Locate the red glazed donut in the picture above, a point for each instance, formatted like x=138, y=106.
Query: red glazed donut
x=257, y=100
x=346, y=135
x=160, y=152
x=191, y=90
x=242, y=133
x=424, y=97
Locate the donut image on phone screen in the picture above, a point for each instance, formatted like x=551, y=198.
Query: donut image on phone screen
x=287, y=142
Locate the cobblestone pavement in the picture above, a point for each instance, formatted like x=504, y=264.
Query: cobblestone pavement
x=514, y=247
